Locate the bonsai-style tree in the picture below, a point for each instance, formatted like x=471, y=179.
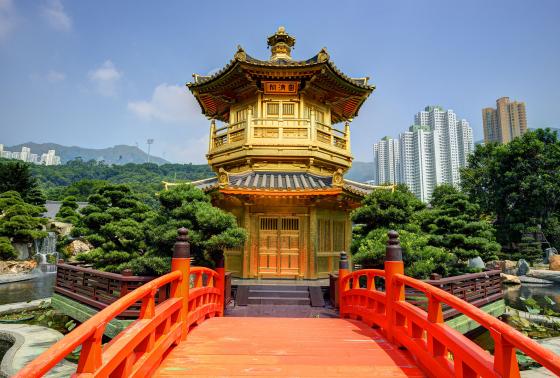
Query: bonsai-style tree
x=457, y=224
x=384, y=210
x=127, y=234
x=67, y=212
x=19, y=221
x=211, y=229
x=113, y=222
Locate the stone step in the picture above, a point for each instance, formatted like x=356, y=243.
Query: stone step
x=279, y=301
x=278, y=293
x=278, y=287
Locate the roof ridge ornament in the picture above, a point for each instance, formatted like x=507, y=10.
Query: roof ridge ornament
x=323, y=55
x=240, y=54
x=281, y=44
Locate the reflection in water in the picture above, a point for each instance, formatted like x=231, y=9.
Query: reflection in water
x=512, y=295
x=24, y=291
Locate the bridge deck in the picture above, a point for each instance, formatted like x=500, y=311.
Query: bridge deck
x=302, y=347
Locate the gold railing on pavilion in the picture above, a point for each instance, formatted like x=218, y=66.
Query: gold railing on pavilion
x=277, y=130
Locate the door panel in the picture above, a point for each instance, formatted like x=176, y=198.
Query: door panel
x=279, y=246
x=268, y=246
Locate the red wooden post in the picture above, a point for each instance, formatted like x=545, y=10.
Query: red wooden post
x=181, y=261
x=342, y=272
x=124, y=284
x=221, y=281
x=394, y=291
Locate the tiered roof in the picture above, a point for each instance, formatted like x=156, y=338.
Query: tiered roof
x=319, y=77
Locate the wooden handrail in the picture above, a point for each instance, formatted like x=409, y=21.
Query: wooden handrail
x=505, y=336
x=137, y=350
x=437, y=348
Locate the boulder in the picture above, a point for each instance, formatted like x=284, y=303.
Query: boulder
x=14, y=267
x=476, y=262
x=494, y=265
x=523, y=267
x=510, y=279
x=61, y=228
x=548, y=253
x=554, y=262
x=509, y=266
x=78, y=246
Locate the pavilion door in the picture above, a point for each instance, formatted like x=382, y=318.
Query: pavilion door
x=279, y=246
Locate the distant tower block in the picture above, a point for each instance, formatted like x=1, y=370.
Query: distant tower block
x=280, y=145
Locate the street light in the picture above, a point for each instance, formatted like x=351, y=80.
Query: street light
x=149, y=141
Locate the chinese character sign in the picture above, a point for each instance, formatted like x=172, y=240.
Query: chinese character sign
x=280, y=87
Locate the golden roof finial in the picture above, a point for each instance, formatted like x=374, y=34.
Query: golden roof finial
x=281, y=44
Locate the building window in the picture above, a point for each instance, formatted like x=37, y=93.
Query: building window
x=320, y=116
x=272, y=108
x=288, y=109
x=241, y=115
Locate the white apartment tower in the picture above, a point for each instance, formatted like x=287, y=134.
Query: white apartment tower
x=386, y=161
x=431, y=153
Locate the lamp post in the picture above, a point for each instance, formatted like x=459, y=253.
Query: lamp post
x=149, y=142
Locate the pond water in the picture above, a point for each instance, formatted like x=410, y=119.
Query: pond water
x=24, y=291
x=513, y=294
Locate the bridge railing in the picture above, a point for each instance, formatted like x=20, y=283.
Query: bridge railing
x=438, y=349
x=196, y=294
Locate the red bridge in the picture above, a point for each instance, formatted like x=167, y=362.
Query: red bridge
x=378, y=334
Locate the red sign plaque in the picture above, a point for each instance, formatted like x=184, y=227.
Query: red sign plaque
x=280, y=87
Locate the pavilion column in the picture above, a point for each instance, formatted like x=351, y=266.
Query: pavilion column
x=249, y=127
x=312, y=250
x=312, y=126
x=347, y=135
x=212, y=135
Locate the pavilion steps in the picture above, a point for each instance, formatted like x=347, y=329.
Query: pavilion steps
x=279, y=295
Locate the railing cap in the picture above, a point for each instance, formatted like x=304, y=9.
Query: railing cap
x=393, y=252
x=182, y=247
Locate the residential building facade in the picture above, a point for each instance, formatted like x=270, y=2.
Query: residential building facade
x=506, y=122
x=431, y=153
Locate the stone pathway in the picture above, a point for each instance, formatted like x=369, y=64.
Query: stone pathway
x=29, y=342
x=10, y=308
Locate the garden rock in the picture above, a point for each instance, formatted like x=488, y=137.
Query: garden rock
x=548, y=253
x=476, y=262
x=14, y=267
x=510, y=279
x=523, y=268
x=554, y=262
x=494, y=265
x=77, y=247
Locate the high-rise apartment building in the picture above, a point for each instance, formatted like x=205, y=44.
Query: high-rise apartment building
x=386, y=161
x=506, y=122
x=431, y=153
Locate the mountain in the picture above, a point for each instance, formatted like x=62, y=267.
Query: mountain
x=361, y=171
x=120, y=154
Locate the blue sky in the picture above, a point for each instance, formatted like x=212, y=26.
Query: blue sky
x=100, y=73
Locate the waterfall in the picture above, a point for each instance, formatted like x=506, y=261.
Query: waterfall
x=45, y=248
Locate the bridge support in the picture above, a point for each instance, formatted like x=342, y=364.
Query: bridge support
x=221, y=281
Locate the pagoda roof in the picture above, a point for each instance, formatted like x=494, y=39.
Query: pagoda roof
x=319, y=77
x=282, y=182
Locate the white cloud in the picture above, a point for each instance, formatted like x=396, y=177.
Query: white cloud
x=169, y=103
x=105, y=78
x=7, y=18
x=55, y=76
x=189, y=150
x=56, y=17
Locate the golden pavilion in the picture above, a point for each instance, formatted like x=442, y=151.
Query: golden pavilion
x=280, y=145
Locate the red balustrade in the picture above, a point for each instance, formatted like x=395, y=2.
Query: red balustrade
x=195, y=294
x=439, y=349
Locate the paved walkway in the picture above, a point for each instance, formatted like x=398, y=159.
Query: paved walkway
x=281, y=311
x=280, y=347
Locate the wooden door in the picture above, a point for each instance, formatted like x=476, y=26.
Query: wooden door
x=289, y=253
x=268, y=246
x=279, y=246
